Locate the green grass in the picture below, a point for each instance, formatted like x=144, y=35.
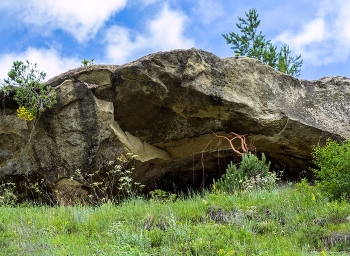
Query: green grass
x=284, y=221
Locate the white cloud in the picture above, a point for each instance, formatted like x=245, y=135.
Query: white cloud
x=325, y=38
x=312, y=32
x=81, y=19
x=209, y=10
x=163, y=33
x=120, y=45
x=48, y=60
x=166, y=30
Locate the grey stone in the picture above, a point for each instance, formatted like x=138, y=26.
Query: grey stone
x=163, y=107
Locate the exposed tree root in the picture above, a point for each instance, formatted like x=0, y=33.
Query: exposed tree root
x=229, y=138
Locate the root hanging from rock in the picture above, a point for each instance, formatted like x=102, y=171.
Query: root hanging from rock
x=244, y=149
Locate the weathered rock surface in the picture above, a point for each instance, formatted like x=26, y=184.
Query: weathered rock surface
x=163, y=107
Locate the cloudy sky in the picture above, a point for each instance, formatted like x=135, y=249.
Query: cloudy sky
x=57, y=35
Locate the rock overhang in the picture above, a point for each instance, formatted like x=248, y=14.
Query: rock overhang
x=163, y=108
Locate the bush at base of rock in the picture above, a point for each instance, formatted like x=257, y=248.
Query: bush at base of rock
x=333, y=172
x=252, y=173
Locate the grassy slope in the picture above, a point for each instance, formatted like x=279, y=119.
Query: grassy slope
x=279, y=222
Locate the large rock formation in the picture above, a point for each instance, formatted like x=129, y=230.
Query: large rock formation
x=163, y=107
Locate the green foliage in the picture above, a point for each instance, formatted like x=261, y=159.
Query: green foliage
x=114, y=184
x=7, y=196
x=86, y=63
x=251, y=173
x=30, y=91
x=254, y=45
x=333, y=172
x=283, y=221
x=159, y=195
x=31, y=191
x=304, y=187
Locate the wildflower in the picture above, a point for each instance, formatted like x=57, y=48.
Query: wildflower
x=25, y=114
x=313, y=197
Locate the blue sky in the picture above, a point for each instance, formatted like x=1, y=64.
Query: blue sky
x=57, y=35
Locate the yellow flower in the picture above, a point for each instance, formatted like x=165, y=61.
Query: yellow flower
x=313, y=197
x=323, y=253
x=222, y=252
x=25, y=114
x=231, y=253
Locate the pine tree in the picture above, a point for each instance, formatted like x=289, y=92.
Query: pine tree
x=255, y=45
x=31, y=94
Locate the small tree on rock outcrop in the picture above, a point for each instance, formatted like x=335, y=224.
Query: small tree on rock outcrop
x=31, y=94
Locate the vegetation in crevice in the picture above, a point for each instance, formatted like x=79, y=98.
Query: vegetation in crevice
x=30, y=92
